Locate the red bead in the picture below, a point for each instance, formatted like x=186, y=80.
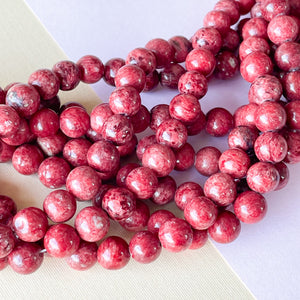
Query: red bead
x=186, y=192
x=24, y=98
x=234, y=162
x=143, y=144
x=185, y=108
x=293, y=114
x=217, y=19
x=103, y=156
x=70, y=104
x=218, y=121
x=226, y=228
x=152, y=81
x=284, y=175
x=144, y=247
x=111, y=68
x=143, y=58
x=287, y=56
x=113, y=253
x=175, y=235
x=229, y=7
x=250, y=207
x=227, y=65
x=142, y=181
x=27, y=159
x=193, y=83
x=131, y=75
x=9, y=121
x=159, y=113
x=245, y=5
x=200, y=238
x=200, y=213
x=291, y=85
x=52, y=145
x=92, y=224
x=123, y=172
x=201, y=60
x=272, y=8
x=125, y=100
x=165, y=191
x=61, y=240
x=99, y=116
x=7, y=240
x=53, y=172
x=26, y=258
x=256, y=10
x=160, y=158
x=185, y=157
x=253, y=44
x=3, y=263
x=141, y=120
x=197, y=126
x=220, y=188
x=8, y=209
x=97, y=200
x=170, y=75
x=270, y=147
x=207, y=160
x=46, y=83
x=119, y=203
x=53, y=103
x=91, y=69
x=254, y=65
x=207, y=38
x=138, y=219
x=293, y=142
x=262, y=177
x=163, y=51
x=231, y=40
x=30, y=224
x=182, y=47
x=255, y=27
x=68, y=74
x=242, y=137
x=74, y=122
x=158, y=218
x=245, y=115
x=2, y=96
x=270, y=116
x=60, y=206
x=83, y=182
x=75, y=152
x=7, y=152
x=84, y=258
x=172, y=133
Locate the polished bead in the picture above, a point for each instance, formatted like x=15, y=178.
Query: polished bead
x=219, y=121
x=206, y=160
x=165, y=191
x=91, y=69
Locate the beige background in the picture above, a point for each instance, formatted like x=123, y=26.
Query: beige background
x=201, y=274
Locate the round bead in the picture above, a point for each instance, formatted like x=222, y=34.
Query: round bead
x=123, y=172
x=7, y=152
x=255, y=27
x=250, y=207
x=111, y=68
x=245, y=115
x=272, y=8
x=293, y=142
x=113, y=253
x=197, y=126
x=92, y=224
x=227, y=65
x=152, y=81
x=284, y=175
x=170, y=75
x=182, y=47
x=143, y=144
x=100, y=115
x=61, y=240
x=91, y=69
x=207, y=160
x=185, y=157
x=7, y=240
x=287, y=56
x=218, y=122
x=242, y=137
x=8, y=208
x=291, y=85
x=200, y=238
x=141, y=120
x=217, y=19
x=229, y=7
x=253, y=44
x=220, y=188
x=46, y=83
x=262, y=177
x=165, y=191
x=144, y=247
x=159, y=113
x=175, y=235
x=245, y=5
x=231, y=40
x=97, y=200
x=52, y=145
x=158, y=218
x=75, y=152
x=226, y=228
x=9, y=121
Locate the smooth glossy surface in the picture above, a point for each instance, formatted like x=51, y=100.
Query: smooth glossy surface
x=91, y=69
x=218, y=121
x=165, y=191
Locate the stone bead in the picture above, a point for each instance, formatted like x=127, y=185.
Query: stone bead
x=207, y=161
x=7, y=240
x=113, y=253
x=291, y=86
x=231, y=40
x=52, y=145
x=262, y=177
x=226, y=228
x=182, y=47
x=219, y=121
x=142, y=181
x=60, y=206
x=91, y=69
x=123, y=172
x=75, y=152
x=92, y=224
x=185, y=157
x=234, y=162
x=220, y=188
x=284, y=175
x=46, y=83
x=159, y=113
x=157, y=219
x=111, y=68
x=293, y=118
x=245, y=115
x=30, y=224
x=143, y=144
x=141, y=120
x=6, y=153
x=272, y=8
x=287, y=56
x=197, y=126
x=253, y=44
x=61, y=240
x=53, y=103
x=229, y=7
x=256, y=10
x=245, y=6
x=200, y=238
x=8, y=208
x=68, y=74
x=217, y=19
x=165, y=191
x=242, y=137
x=99, y=116
x=175, y=235
x=27, y=159
x=145, y=247
x=170, y=75
x=255, y=27
x=200, y=213
x=186, y=192
x=201, y=60
x=293, y=142
x=270, y=147
x=152, y=81
x=97, y=200
x=270, y=116
x=9, y=121
x=207, y=38
x=227, y=65
x=83, y=182
x=250, y=207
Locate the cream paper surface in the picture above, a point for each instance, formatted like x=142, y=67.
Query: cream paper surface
x=201, y=274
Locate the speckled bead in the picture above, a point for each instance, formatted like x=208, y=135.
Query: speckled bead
x=170, y=75
x=159, y=113
x=219, y=20
x=143, y=58
x=141, y=120
x=242, y=137
x=284, y=175
x=255, y=27
x=111, y=68
x=291, y=86
x=165, y=191
x=185, y=157
x=91, y=69
x=143, y=144
x=182, y=47
x=231, y=40
x=272, y=8
x=287, y=56
x=253, y=44
x=293, y=142
x=197, y=126
x=245, y=115
x=227, y=65
x=157, y=219
x=245, y=6
x=229, y=7
x=207, y=161
x=200, y=238
x=52, y=145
